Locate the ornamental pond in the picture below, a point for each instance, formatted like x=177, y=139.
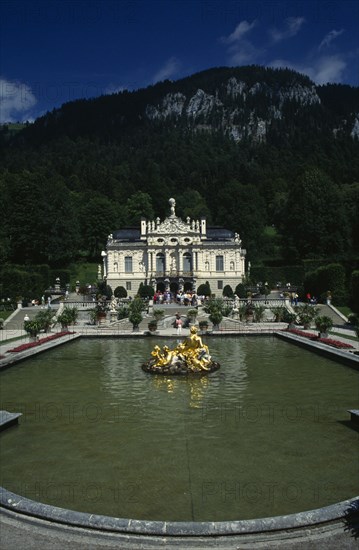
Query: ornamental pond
x=267, y=434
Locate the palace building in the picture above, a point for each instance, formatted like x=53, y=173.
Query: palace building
x=174, y=255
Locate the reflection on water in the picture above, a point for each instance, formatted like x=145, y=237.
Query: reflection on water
x=194, y=386
x=264, y=435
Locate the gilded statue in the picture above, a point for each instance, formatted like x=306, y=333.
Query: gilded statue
x=191, y=355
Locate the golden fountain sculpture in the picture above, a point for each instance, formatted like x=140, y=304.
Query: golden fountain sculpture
x=190, y=356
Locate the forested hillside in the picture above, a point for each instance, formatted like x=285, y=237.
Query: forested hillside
x=263, y=152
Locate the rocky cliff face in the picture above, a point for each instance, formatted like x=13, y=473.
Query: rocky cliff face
x=242, y=110
x=256, y=104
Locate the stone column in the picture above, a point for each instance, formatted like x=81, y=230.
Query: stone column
x=167, y=261
x=180, y=261
x=104, y=259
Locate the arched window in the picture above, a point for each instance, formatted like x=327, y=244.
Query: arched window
x=187, y=262
x=160, y=263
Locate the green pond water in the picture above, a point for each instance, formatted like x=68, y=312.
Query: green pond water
x=267, y=434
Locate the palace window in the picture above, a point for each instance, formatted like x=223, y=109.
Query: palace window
x=128, y=285
x=220, y=285
x=187, y=262
x=160, y=263
x=219, y=263
x=128, y=264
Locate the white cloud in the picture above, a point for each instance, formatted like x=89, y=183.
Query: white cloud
x=241, y=51
x=292, y=27
x=322, y=70
x=328, y=39
x=16, y=101
x=329, y=69
x=237, y=35
x=244, y=53
x=168, y=70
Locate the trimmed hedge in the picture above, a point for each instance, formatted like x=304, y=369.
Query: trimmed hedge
x=331, y=278
x=354, y=291
x=16, y=282
x=63, y=274
x=293, y=274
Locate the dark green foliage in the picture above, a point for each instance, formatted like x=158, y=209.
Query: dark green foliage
x=63, y=274
x=228, y=292
x=32, y=327
x=98, y=218
x=314, y=201
x=354, y=291
x=81, y=172
x=139, y=206
x=68, y=316
x=120, y=292
x=259, y=313
x=217, y=308
x=278, y=312
x=146, y=291
x=353, y=319
x=285, y=274
x=235, y=197
x=123, y=312
x=38, y=228
x=16, y=281
x=204, y=289
x=135, y=311
x=44, y=319
x=323, y=323
x=104, y=289
x=240, y=290
x=327, y=278
x=306, y=313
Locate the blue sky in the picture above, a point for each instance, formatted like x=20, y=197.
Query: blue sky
x=57, y=51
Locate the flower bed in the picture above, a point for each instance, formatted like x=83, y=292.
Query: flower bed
x=30, y=345
x=329, y=341
x=298, y=332
x=335, y=343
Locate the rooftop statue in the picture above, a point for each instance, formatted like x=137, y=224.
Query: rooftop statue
x=190, y=356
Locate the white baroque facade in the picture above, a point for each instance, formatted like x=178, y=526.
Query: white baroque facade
x=174, y=255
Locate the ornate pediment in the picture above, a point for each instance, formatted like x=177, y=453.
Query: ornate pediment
x=172, y=226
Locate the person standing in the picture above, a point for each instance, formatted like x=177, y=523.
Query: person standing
x=179, y=324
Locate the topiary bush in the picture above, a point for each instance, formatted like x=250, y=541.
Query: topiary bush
x=204, y=289
x=120, y=292
x=228, y=292
x=241, y=290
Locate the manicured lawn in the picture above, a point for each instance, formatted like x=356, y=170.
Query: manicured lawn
x=345, y=310
x=86, y=273
x=5, y=314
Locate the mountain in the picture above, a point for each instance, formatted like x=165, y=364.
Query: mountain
x=264, y=152
x=255, y=103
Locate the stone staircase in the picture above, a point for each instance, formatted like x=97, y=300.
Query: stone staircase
x=16, y=320
x=329, y=312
